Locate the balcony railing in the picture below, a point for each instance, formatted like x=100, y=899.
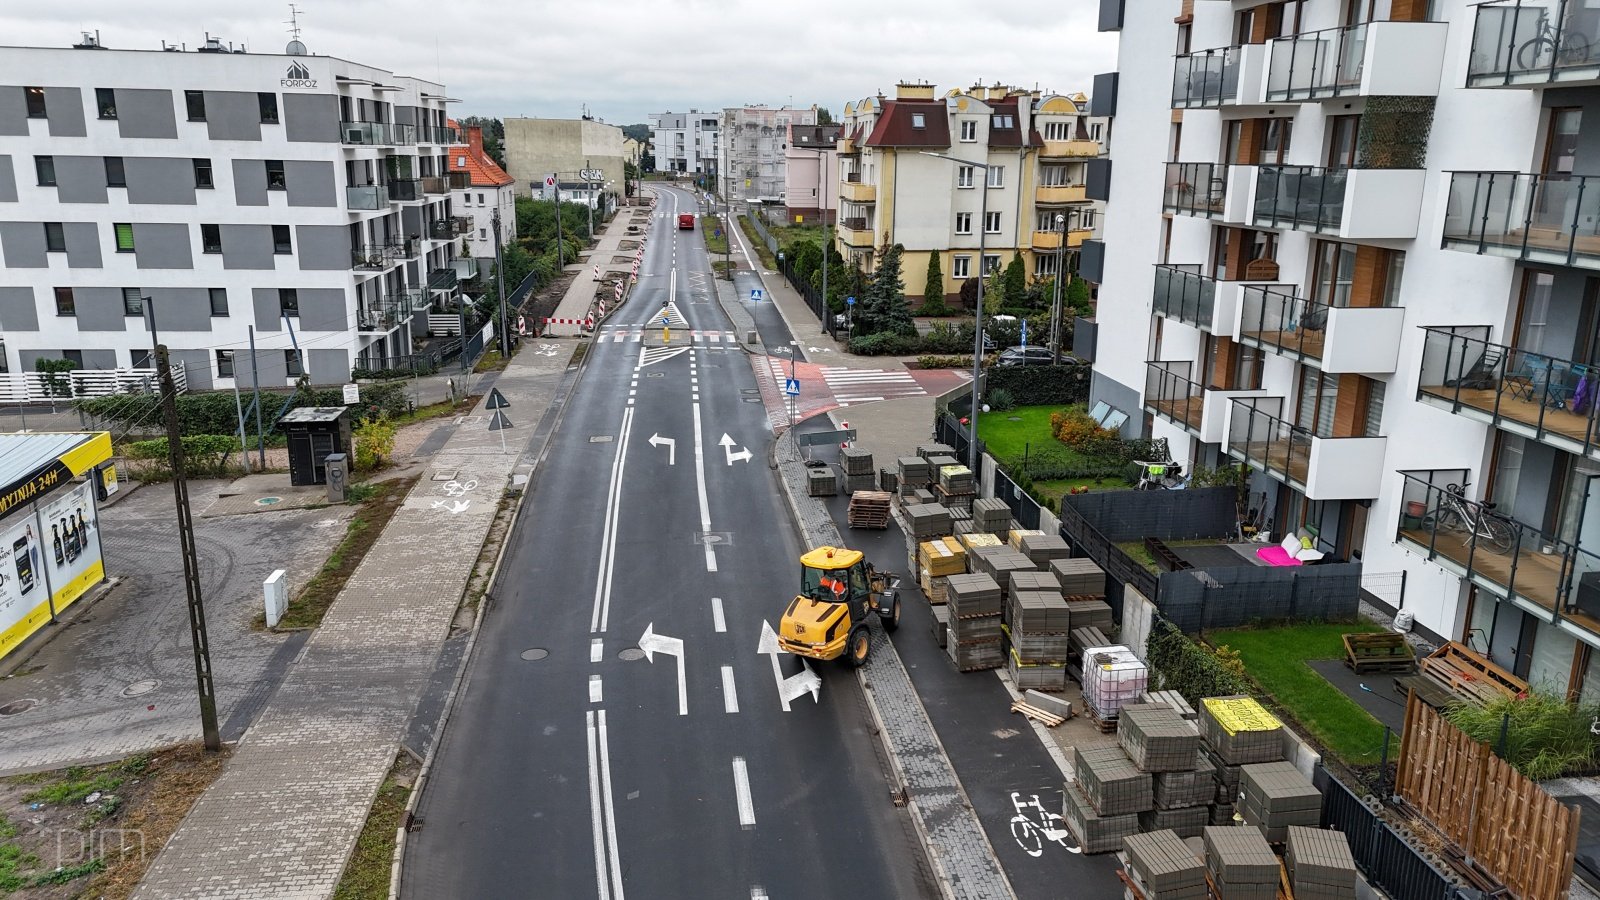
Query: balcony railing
x=405, y=189
x=1273, y=318
x=1555, y=580
x=461, y=224
x=1544, y=398
x=1196, y=189
x=1539, y=218
x=1205, y=78
x=437, y=134
x=1307, y=197
x=459, y=181
x=374, y=257
x=1317, y=64
x=1170, y=394
x=1186, y=296
x=435, y=184
x=858, y=191
x=467, y=268
x=409, y=248
x=1058, y=149
x=1534, y=41
x=366, y=196
x=377, y=134
x=1323, y=468
x=443, y=280
x=442, y=230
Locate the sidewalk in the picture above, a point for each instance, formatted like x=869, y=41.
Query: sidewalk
x=614, y=259
x=282, y=819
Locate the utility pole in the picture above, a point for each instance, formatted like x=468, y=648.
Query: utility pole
x=1055, y=305
x=186, y=546
x=588, y=189
x=500, y=281
x=561, y=262
x=255, y=380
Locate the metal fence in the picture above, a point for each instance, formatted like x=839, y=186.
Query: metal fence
x=1387, y=861
x=1196, y=600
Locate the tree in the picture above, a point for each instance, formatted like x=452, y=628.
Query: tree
x=494, y=135
x=1076, y=297
x=639, y=132
x=823, y=116
x=933, y=289
x=884, y=308
x=1014, y=283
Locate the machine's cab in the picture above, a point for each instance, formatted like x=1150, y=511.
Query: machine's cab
x=838, y=588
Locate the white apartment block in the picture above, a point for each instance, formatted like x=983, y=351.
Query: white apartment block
x=303, y=196
x=488, y=190
x=1042, y=153
x=1353, y=244
x=754, y=141
x=686, y=143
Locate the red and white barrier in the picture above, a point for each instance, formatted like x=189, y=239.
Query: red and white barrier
x=586, y=323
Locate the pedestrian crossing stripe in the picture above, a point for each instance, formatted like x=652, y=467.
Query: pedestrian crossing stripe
x=649, y=356
x=636, y=335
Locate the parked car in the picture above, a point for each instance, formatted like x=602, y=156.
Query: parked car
x=1032, y=356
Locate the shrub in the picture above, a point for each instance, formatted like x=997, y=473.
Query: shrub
x=1039, y=385
x=886, y=344
x=1000, y=399
x=213, y=412
x=204, y=456
x=1074, y=427
x=55, y=372
x=1192, y=669
x=374, y=443
x=1546, y=737
x=944, y=362
x=946, y=338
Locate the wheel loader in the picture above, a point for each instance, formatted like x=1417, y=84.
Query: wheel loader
x=839, y=590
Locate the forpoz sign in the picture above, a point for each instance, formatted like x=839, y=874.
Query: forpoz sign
x=298, y=76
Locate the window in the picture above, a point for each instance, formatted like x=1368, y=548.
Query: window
x=219, y=301
x=275, y=177
x=224, y=363
x=142, y=359
x=132, y=302
x=105, y=100
x=991, y=264
x=1058, y=131
x=116, y=176
x=267, y=102
x=1004, y=121
x=1333, y=273
x=65, y=306
x=1044, y=265
x=195, y=103
x=288, y=303
x=918, y=120
x=964, y=223
x=1094, y=132
x=202, y=174
x=991, y=223
x=969, y=130
x=997, y=176
x=461, y=162
x=963, y=176
x=280, y=240
x=55, y=239
x=1085, y=219
x=45, y=168
x=480, y=199
x=483, y=233
x=1275, y=141
x=960, y=267
x=211, y=238
x=35, y=102
x=291, y=362
x=123, y=232
x=73, y=356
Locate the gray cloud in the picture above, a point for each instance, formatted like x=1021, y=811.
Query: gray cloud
x=627, y=58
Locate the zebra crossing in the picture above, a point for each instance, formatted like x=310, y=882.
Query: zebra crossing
x=625, y=334
x=849, y=385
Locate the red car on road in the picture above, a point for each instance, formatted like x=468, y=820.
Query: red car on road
x=686, y=221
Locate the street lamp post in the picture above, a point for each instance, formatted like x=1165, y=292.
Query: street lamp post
x=977, y=313
x=1061, y=272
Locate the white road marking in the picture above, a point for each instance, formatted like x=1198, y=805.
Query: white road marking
x=608, y=542
x=594, y=689
x=611, y=811
x=717, y=621
x=652, y=643
x=730, y=694
x=741, y=789
x=757, y=892
x=599, y=772
x=597, y=650
x=700, y=484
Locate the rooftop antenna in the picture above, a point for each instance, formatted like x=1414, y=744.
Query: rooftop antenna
x=295, y=47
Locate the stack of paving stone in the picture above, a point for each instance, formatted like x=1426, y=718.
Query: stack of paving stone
x=1236, y=731
x=928, y=521
x=1043, y=549
x=960, y=520
x=1319, y=864
x=923, y=496
x=929, y=451
x=914, y=474
x=857, y=464
x=1000, y=563
x=1017, y=534
x=935, y=463
x=1195, y=787
x=1111, y=782
x=821, y=482
x=1027, y=580
x=991, y=514
x=1088, y=613
x=975, y=603
x=936, y=560
x=1277, y=796
x=1079, y=577
x=1080, y=638
x=1037, y=626
x=888, y=481
x=1095, y=833
x=1163, y=867
x=1159, y=741
x=972, y=540
x=941, y=624
x=1241, y=863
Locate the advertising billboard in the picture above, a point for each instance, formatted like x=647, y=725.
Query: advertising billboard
x=71, y=552
x=24, y=595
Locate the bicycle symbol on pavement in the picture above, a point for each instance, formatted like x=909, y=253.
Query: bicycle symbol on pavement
x=1031, y=835
x=458, y=488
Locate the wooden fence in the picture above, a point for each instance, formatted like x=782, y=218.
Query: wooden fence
x=1502, y=821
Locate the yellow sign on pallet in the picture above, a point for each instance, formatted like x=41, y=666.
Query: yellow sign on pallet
x=1236, y=714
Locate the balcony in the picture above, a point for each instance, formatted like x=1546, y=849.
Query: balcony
x=1538, y=218
x=1357, y=204
x=443, y=279
x=1060, y=193
x=1525, y=42
x=1553, y=579
x=1322, y=468
x=374, y=257
x=1336, y=339
x=1224, y=76
x=461, y=224
x=1196, y=189
x=856, y=232
x=437, y=134
x=846, y=147
x=376, y=134
x=1543, y=398
x=1069, y=149
x=435, y=184
x=410, y=248
x=1170, y=394
x=442, y=230
x=1370, y=59
x=1077, y=236
x=403, y=190
x=1192, y=298
x=467, y=268
x=366, y=196
x=387, y=313
x=459, y=181
x=852, y=188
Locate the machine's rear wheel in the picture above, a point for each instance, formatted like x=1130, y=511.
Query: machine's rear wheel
x=860, y=646
x=892, y=620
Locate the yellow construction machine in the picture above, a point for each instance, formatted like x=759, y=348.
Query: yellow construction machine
x=839, y=589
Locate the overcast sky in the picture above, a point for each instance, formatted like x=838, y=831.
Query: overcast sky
x=628, y=58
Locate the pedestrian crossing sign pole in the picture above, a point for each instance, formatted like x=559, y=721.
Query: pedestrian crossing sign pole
x=499, y=422
x=666, y=330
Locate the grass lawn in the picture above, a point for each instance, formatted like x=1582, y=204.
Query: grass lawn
x=1008, y=440
x=1276, y=659
x=716, y=244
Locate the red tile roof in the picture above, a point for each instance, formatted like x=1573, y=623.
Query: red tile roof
x=472, y=160
x=894, y=127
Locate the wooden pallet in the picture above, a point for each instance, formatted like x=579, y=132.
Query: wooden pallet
x=869, y=509
x=1106, y=726
x=1048, y=719
x=1384, y=651
x=1470, y=675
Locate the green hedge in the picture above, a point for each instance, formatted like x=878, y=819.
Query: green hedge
x=214, y=412
x=886, y=343
x=1040, y=385
x=1191, y=669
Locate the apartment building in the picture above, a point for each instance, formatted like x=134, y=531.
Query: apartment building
x=484, y=190
x=1351, y=243
x=686, y=143
x=1041, y=153
x=811, y=173
x=754, y=143
x=539, y=148
x=302, y=196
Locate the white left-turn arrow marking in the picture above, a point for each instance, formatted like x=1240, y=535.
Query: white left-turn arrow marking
x=652, y=643
x=657, y=440
x=727, y=447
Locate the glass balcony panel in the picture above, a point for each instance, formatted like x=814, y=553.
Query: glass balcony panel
x=1533, y=41
x=1317, y=64
x=1302, y=197
x=366, y=196
x=1273, y=317
x=1186, y=296
x=435, y=184
x=1197, y=189
x=405, y=189
x=1169, y=393
x=1207, y=78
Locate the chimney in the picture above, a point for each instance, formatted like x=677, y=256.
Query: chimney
x=475, y=139
x=910, y=91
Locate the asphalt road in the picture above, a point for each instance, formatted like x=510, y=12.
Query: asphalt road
x=570, y=767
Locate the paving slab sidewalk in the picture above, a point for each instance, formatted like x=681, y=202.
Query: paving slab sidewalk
x=282, y=819
x=580, y=293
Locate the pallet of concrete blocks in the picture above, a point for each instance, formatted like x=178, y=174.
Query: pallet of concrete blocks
x=935, y=463
x=1108, y=778
x=1193, y=787
x=1241, y=863
x=1000, y=564
x=941, y=624
x=855, y=461
x=868, y=509
x=1037, y=676
x=928, y=521
x=1227, y=778
x=1112, y=677
x=974, y=655
x=1095, y=833
x=924, y=497
x=957, y=479
x=1187, y=821
x=974, y=594
x=1081, y=638
x=888, y=481
x=1172, y=699
x=972, y=540
x=991, y=514
x=1023, y=581
x=821, y=482
x=942, y=556
x=1163, y=867
x=1042, y=549
x=975, y=632
x=928, y=451
x=1276, y=796
x=1079, y=577
x=1319, y=864
x=856, y=483
x=1240, y=731
x=1157, y=739
x=1014, y=539
x=1041, y=613
x=1090, y=612
x=914, y=473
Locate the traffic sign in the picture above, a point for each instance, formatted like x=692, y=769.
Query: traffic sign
x=497, y=400
x=1024, y=332
x=791, y=386
x=755, y=295
x=499, y=422
x=849, y=301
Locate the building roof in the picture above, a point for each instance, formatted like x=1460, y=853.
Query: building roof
x=814, y=135
x=1010, y=138
x=895, y=127
x=471, y=159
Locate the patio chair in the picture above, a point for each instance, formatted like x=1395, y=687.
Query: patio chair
x=1531, y=380
x=1481, y=376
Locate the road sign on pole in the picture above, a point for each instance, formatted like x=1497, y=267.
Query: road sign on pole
x=849, y=301
x=791, y=386
x=755, y=295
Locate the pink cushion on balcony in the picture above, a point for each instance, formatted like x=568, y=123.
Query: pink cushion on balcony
x=1276, y=556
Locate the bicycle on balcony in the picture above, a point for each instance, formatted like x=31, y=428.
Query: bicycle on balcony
x=1568, y=47
x=1476, y=519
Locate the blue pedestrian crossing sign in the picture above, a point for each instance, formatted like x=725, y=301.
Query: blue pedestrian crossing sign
x=755, y=295
x=791, y=386
x=1024, y=332
x=849, y=301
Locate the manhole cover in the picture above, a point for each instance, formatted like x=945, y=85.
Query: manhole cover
x=748, y=391
x=655, y=375
x=535, y=653
x=751, y=399
x=445, y=474
x=140, y=687
x=324, y=523
x=17, y=706
x=631, y=654
x=719, y=538
x=1013, y=418
x=268, y=501
x=600, y=439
